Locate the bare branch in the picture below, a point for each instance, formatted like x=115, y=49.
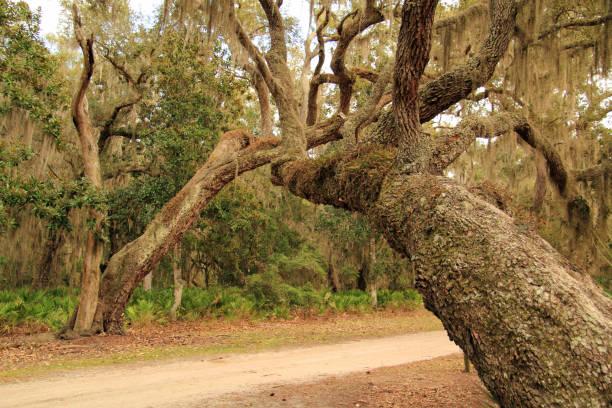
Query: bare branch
x=456, y=141
x=587, y=22
x=304, y=83
x=263, y=95
x=453, y=86
x=355, y=121
x=350, y=26
x=121, y=69
x=367, y=74
x=253, y=52
x=107, y=130
x=313, y=93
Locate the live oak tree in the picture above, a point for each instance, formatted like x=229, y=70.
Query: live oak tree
x=151, y=115
x=534, y=325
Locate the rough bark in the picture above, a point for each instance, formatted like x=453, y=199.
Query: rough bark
x=550, y=345
x=536, y=328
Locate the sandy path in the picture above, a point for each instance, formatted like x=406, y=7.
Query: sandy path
x=186, y=382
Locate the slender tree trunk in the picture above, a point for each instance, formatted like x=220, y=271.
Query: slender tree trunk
x=178, y=283
x=90, y=280
x=147, y=282
x=332, y=274
x=235, y=153
x=372, y=270
x=42, y=279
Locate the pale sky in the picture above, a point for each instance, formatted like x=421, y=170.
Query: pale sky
x=51, y=10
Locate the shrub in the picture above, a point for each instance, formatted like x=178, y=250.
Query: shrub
x=264, y=296
x=144, y=312
x=267, y=290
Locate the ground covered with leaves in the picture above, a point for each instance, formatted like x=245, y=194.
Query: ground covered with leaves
x=32, y=354
x=434, y=383
x=437, y=383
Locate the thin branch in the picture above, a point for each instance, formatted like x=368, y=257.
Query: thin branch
x=587, y=22
x=313, y=92
x=107, y=131
x=350, y=129
x=350, y=26
x=263, y=95
x=453, y=143
x=121, y=69
x=253, y=52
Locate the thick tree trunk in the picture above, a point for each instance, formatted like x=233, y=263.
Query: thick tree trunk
x=538, y=330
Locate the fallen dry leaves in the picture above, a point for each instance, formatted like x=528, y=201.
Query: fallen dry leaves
x=27, y=355
x=437, y=383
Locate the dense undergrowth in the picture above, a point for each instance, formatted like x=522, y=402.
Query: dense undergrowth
x=42, y=310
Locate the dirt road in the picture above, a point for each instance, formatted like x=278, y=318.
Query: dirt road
x=189, y=382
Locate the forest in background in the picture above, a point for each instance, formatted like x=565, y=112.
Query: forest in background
x=160, y=103
x=150, y=101
x=253, y=236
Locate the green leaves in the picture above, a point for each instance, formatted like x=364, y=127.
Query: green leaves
x=47, y=199
x=29, y=79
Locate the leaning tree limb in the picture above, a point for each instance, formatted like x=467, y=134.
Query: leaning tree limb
x=236, y=153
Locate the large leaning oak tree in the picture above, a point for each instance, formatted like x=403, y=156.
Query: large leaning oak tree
x=537, y=329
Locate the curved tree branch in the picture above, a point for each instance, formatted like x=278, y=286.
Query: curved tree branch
x=453, y=143
x=357, y=119
x=313, y=92
x=586, y=22
x=453, y=86
x=350, y=26
x=412, y=55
